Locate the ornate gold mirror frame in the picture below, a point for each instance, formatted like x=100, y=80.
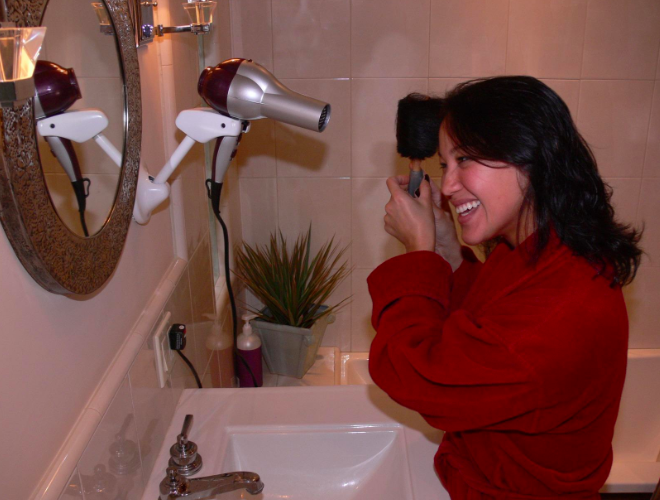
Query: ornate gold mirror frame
x=57, y=259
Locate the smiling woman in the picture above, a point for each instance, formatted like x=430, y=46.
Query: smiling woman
x=487, y=195
x=522, y=359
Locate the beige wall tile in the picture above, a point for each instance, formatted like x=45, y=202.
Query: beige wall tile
x=321, y=44
x=117, y=427
x=652, y=159
x=73, y=490
x=258, y=209
x=251, y=31
x=362, y=333
x=222, y=368
x=440, y=86
x=203, y=303
x=217, y=45
x=468, y=37
x=180, y=307
x=102, y=191
x=613, y=117
x=621, y=39
x=647, y=214
x=191, y=171
x=373, y=128
x=181, y=378
x=324, y=202
x=256, y=153
x=371, y=244
x=642, y=298
x=569, y=91
x=546, y=38
x=304, y=153
x=154, y=407
x=625, y=198
x=185, y=56
x=162, y=15
x=338, y=334
x=88, y=51
x=106, y=94
x=390, y=38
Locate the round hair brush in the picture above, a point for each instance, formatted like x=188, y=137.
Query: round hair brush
x=417, y=131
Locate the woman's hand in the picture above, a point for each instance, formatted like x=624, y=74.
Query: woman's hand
x=446, y=239
x=410, y=220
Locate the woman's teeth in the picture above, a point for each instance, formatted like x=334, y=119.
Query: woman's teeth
x=466, y=208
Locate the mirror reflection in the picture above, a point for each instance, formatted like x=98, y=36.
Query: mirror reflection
x=79, y=112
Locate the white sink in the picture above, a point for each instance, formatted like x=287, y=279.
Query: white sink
x=320, y=443
x=325, y=464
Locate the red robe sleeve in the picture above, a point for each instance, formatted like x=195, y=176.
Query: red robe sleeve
x=458, y=374
x=541, y=348
x=463, y=278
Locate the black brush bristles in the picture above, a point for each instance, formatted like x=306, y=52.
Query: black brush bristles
x=418, y=126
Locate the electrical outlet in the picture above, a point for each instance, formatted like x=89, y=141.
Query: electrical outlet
x=163, y=355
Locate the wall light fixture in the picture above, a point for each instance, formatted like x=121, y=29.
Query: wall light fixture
x=19, y=49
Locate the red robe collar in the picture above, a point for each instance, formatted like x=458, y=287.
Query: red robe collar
x=508, y=268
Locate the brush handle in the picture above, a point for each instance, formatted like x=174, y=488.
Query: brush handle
x=416, y=177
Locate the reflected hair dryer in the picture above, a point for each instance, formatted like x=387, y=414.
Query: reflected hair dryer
x=56, y=90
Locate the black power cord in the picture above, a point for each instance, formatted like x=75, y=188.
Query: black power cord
x=214, y=189
x=177, y=338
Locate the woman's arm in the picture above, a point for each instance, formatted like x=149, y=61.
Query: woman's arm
x=458, y=375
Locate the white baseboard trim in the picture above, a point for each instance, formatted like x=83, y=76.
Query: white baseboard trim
x=58, y=473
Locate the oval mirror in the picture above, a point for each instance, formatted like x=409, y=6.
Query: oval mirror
x=80, y=89
x=51, y=250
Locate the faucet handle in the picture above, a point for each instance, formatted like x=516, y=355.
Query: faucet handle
x=183, y=454
x=173, y=485
x=187, y=424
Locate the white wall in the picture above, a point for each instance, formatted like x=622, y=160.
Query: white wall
x=57, y=348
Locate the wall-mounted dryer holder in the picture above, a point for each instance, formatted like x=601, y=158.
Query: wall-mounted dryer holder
x=200, y=13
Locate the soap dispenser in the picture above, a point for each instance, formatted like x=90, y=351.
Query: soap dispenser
x=248, y=345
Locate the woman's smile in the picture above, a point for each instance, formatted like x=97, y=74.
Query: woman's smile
x=487, y=195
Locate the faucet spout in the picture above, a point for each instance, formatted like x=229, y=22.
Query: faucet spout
x=175, y=486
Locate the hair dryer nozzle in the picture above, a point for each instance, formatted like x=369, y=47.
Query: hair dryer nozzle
x=243, y=89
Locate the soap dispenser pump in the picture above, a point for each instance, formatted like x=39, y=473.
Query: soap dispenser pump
x=248, y=345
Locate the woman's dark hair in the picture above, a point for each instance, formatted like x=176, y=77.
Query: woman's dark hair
x=521, y=121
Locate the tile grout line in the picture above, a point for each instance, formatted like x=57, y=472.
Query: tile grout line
x=646, y=149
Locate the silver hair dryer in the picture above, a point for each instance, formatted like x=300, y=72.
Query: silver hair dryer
x=237, y=90
x=243, y=89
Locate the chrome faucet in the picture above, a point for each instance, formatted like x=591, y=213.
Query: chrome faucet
x=185, y=461
x=175, y=486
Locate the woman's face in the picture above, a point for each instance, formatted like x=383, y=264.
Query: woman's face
x=487, y=196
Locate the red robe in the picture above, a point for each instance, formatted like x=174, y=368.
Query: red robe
x=522, y=366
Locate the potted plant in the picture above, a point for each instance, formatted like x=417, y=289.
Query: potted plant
x=294, y=287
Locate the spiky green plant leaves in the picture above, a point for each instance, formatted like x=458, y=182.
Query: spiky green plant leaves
x=292, y=285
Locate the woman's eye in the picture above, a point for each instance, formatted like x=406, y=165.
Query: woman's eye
x=462, y=159
x=443, y=166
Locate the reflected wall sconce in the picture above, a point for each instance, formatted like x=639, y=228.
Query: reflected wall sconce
x=200, y=13
x=104, y=18
x=19, y=49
